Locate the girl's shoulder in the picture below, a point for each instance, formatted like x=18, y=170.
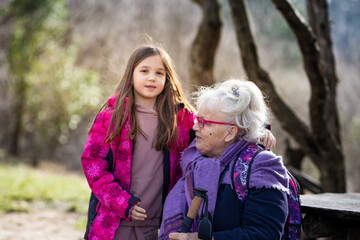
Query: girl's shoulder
x=184, y=111
x=185, y=119
x=103, y=118
x=109, y=109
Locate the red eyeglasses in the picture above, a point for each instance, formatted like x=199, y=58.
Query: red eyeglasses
x=201, y=122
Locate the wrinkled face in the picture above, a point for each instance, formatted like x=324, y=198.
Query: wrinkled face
x=149, y=80
x=212, y=139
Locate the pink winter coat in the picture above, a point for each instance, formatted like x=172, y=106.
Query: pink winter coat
x=111, y=199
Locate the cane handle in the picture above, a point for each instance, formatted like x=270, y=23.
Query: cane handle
x=195, y=206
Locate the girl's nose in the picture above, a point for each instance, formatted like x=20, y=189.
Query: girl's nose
x=151, y=77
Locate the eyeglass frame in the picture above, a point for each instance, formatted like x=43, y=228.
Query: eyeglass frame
x=203, y=121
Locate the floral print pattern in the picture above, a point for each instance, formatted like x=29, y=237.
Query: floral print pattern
x=113, y=197
x=241, y=169
x=240, y=181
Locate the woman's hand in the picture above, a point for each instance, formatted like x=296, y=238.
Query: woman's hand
x=138, y=213
x=183, y=236
x=269, y=141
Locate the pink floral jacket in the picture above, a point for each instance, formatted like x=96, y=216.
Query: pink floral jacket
x=111, y=199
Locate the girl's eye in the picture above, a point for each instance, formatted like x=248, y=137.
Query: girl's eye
x=160, y=73
x=143, y=70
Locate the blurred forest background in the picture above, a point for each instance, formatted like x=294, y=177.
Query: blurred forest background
x=60, y=60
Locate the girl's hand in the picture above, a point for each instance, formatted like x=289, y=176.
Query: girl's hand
x=183, y=236
x=138, y=213
x=268, y=140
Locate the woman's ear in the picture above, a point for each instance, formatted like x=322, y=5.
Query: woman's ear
x=231, y=134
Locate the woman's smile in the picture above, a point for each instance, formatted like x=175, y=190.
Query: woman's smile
x=198, y=138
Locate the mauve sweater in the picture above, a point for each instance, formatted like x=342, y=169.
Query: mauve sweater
x=146, y=170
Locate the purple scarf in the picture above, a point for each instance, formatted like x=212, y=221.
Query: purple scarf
x=201, y=172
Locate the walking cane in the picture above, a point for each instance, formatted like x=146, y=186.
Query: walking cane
x=193, y=211
x=205, y=226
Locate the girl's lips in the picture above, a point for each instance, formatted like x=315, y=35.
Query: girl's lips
x=150, y=86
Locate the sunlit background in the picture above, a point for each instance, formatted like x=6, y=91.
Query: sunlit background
x=60, y=60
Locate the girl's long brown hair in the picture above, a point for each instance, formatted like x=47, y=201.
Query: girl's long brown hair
x=166, y=103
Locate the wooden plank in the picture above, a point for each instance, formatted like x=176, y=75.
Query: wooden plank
x=335, y=215
x=336, y=205
x=316, y=227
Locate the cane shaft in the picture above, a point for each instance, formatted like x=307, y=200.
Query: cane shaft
x=195, y=206
x=193, y=211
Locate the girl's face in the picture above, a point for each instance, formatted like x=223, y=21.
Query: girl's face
x=149, y=80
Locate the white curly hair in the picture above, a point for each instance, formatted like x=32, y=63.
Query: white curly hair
x=241, y=102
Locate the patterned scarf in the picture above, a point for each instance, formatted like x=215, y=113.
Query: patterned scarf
x=200, y=172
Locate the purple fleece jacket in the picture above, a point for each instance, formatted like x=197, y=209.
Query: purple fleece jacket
x=201, y=172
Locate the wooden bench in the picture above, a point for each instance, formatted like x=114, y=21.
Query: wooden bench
x=335, y=215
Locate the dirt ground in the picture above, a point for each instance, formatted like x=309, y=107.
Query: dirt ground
x=40, y=225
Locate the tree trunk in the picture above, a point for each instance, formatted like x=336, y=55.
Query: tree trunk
x=16, y=127
x=317, y=141
x=293, y=155
x=320, y=24
x=324, y=119
x=204, y=46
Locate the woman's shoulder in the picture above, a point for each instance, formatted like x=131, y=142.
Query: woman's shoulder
x=269, y=157
x=268, y=170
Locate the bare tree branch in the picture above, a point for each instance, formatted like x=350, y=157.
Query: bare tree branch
x=325, y=128
x=319, y=22
x=204, y=46
x=311, y=60
x=289, y=121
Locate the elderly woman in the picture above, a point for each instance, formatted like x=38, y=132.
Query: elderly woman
x=229, y=122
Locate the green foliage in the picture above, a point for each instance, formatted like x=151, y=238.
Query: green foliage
x=42, y=55
x=22, y=187
x=81, y=224
x=60, y=93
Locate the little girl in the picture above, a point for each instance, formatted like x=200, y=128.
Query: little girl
x=138, y=156
x=133, y=149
